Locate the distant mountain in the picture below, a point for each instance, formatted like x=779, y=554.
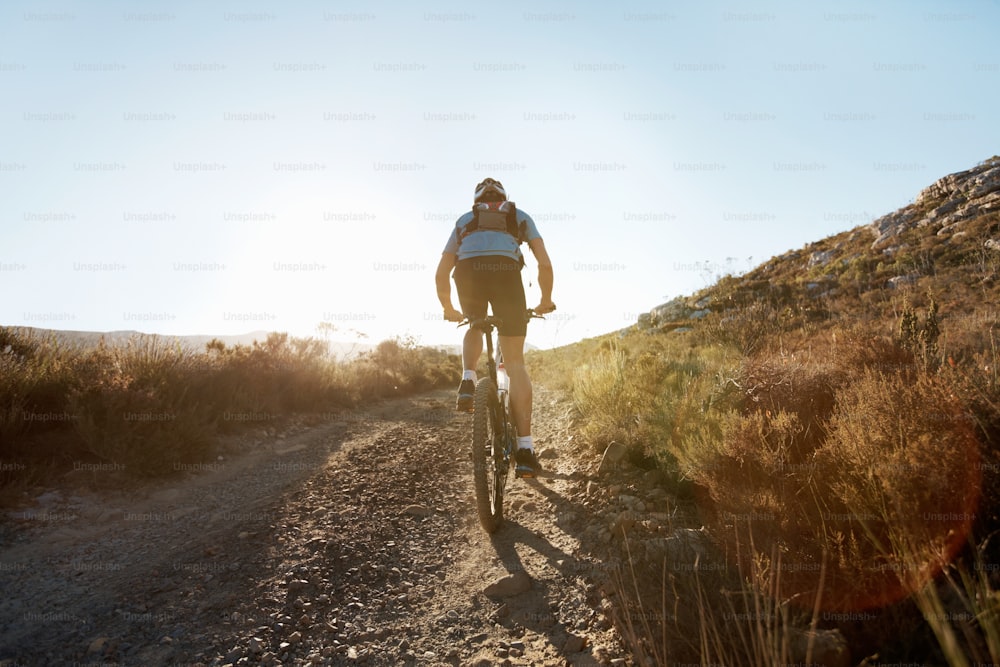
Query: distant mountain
x=946, y=243
x=92, y=338
x=85, y=339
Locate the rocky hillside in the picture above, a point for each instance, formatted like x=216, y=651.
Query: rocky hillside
x=946, y=207
x=947, y=243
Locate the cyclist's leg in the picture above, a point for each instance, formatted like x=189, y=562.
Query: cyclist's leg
x=510, y=305
x=520, y=384
x=472, y=299
x=472, y=348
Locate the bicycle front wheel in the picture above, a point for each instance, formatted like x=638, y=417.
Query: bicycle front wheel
x=487, y=433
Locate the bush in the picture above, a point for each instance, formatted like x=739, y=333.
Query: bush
x=149, y=405
x=904, y=464
x=34, y=375
x=399, y=366
x=838, y=464
x=139, y=407
x=841, y=470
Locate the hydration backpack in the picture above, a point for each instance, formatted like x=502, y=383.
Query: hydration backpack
x=495, y=217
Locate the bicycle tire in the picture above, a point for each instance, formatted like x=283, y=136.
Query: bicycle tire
x=486, y=424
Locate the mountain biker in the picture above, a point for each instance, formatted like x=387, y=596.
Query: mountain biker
x=487, y=269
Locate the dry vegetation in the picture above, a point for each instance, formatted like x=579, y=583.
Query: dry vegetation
x=841, y=435
x=150, y=405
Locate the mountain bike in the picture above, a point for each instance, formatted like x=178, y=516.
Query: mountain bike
x=494, y=437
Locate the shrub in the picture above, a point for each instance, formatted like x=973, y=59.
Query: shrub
x=904, y=460
x=827, y=459
x=752, y=329
x=135, y=406
x=399, y=366
x=610, y=399
x=34, y=374
x=150, y=404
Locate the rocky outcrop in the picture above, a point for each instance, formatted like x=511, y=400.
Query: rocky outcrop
x=945, y=204
x=675, y=309
x=667, y=315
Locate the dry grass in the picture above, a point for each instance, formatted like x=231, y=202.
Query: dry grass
x=863, y=458
x=149, y=405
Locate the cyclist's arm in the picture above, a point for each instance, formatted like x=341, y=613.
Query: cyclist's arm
x=442, y=279
x=545, y=276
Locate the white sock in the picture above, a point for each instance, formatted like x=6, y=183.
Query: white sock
x=469, y=375
x=524, y=442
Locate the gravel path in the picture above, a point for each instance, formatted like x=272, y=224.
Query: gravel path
x=352, y=540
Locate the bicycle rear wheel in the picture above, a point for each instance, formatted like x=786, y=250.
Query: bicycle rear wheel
x=487, y=432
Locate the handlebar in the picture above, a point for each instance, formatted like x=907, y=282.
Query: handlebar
x=494, y=321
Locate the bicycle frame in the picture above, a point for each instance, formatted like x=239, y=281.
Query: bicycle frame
x=494, y=435
x=506, y=433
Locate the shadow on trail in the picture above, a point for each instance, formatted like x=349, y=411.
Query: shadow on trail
x=506, y=539
x=549, y=608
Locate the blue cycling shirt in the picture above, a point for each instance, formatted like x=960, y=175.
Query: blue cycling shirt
x=485, y=243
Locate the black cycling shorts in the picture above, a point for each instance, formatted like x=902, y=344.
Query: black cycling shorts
x=495, y=281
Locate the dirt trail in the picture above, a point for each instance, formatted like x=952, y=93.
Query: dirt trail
x=352, y=541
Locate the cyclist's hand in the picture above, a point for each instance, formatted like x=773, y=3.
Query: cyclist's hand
x=545, y=306
x=452, y=315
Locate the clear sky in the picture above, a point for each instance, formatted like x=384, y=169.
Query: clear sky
x=221, y=167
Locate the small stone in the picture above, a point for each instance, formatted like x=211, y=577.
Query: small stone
x=574, y=644
x=97, y=645
x=418, y=510
x=510, y=585
x=297, y=585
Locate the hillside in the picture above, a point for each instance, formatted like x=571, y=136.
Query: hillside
x=947, y=242
x=830, y=423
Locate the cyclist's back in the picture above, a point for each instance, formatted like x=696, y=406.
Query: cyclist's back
x=483, y=256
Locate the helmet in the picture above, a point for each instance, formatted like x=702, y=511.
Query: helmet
x=490, y=190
